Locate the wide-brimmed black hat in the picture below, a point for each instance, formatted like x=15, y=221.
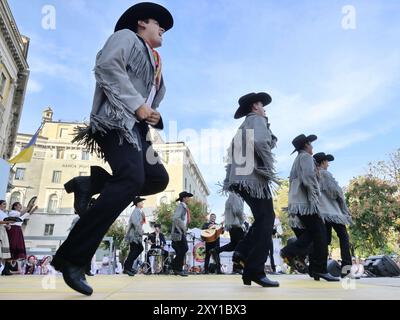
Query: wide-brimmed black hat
x=184, y=194
x=321, y=156
x=247, y=100
x=137, y=200
x=301, y=140
x=142, y=11
x=157, y=225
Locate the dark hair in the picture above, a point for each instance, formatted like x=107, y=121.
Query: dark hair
x=2, y=201
x=135, y=27
x=15, y=204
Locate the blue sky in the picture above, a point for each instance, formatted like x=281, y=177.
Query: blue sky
x=341, y=84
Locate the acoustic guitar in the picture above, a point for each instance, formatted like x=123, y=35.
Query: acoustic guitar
x=212, y=234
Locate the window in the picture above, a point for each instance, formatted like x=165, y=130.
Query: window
x=3, y=83
x=63, y=133
x=83, y=173
x=190, y=188
x=60, y=153
x=163, y=200
x=56, y=177
x=20, y=174
x=85, y=155
x=48, y=229
x=53, y=204
x=15, y=197
x=185, y=183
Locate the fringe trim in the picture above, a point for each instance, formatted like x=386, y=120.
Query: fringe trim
x=329, y=185
x=85, y=136
x=345, y=220
x=303, y=209
x=295, y=222
x=137, y=65
x=116, y=110
x=256, y=190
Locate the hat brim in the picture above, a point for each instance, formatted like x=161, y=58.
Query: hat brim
x=244, y=109
x=309, y=139
x=187, y=195
x=330, y=157
x=138, y=201
x=145, y=10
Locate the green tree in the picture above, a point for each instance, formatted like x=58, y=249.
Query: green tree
x=280, y=208
x=198, y=215
x=118, y=231
x=375, y=209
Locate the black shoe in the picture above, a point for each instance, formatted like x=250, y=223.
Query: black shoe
x=180, y=273
x=325, y=276
x=74, y=276
x=88, y=273
x=349, y=276
x=263, y=281
x=238, y=258
x=236, y=269
x=6, y=271
x=81, y=187
x=130, y=273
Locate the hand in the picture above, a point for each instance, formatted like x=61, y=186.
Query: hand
x=144, y=112
x=154, y=118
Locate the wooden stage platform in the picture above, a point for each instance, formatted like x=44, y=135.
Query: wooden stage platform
x=198, y=287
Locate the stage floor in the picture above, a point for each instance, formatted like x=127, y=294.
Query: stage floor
x=199, y=287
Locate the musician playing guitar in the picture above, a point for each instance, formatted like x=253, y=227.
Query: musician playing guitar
x=211, y=245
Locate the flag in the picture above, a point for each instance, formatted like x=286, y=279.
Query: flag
x=26, y=154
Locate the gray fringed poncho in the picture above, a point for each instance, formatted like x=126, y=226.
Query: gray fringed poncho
x=332, y=204
x=135, y=227
x=250, y=160
x=303, y=186
x=124, y=73
x=233, y=212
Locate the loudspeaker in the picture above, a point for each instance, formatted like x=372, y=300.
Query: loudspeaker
x=382, y=266
x=334, y=268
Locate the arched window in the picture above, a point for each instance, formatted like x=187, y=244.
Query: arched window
x=53, y=204
x=163, y=200
x=15, y=197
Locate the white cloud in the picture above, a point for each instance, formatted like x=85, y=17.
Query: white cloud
x=34, y=86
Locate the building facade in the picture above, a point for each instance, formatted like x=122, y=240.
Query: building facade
x=56, y=160
x=14, y=73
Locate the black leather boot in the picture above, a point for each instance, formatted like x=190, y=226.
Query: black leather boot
x=74, y=276
x=262, y=281
x=325, y=276
x=84, y=187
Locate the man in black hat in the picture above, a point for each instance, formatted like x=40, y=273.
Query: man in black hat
x=304, y=196
x=129, y=89
x=134, y=235
x=180, y=223
x=333, y=209
x=250, y=173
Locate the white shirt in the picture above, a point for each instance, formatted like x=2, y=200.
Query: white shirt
x=14, y=213
x=3, y=215
x=185, y=206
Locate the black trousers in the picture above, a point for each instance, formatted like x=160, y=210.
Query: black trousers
x=314, y=233
x=180, y=247
x=344, y=241
x=271, y=257
x=256, y=244
x=132, y=176
x=236, y=234
x=135, y=250
x=209, y=246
